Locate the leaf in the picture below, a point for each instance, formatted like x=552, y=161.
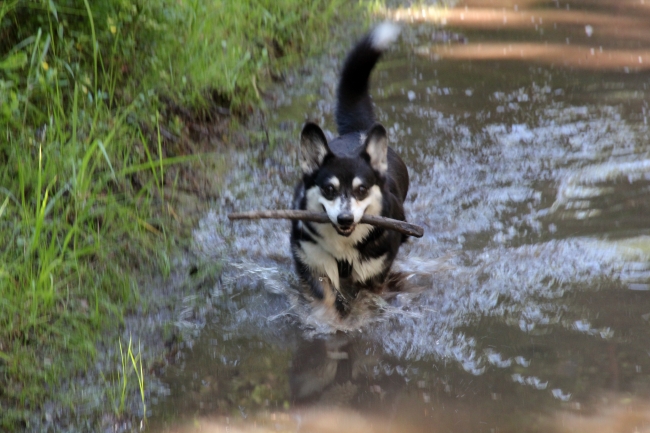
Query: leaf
x=3, y=207
x=14, y=61
x=53, y=10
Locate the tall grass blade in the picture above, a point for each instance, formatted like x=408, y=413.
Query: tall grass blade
x=4, y=206
x=108, y=160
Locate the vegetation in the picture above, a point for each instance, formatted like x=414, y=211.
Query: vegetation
x=85, y=120
x=130, y=364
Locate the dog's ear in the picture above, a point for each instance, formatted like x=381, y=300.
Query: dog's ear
x=313, y=148
x=377, y=148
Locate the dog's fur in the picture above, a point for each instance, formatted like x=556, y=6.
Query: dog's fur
x=355, y=174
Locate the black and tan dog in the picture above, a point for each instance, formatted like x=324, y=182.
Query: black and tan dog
x=354, y=174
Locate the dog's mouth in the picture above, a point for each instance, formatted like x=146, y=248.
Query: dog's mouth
x=344, y=230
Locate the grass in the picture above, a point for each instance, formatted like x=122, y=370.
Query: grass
x=218, y=60
x=84, y=165
x=119, y=387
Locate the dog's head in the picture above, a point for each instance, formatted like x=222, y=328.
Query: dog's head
x=346, y=184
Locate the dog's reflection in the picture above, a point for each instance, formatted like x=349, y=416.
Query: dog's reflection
x=340, y=371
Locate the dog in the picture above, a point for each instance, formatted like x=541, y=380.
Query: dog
x=352, y=175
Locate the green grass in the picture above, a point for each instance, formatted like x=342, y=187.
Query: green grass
x=277, y=34
x=84, y=166
x=120, y=385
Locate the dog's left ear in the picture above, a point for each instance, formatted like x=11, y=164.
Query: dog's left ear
x=377, y=148
x=313, y=148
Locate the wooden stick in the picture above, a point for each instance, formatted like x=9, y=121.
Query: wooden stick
x=304, y=215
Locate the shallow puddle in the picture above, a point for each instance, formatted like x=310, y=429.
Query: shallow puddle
x=527, y=302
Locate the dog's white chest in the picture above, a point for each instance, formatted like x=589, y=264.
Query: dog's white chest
x=322, y=256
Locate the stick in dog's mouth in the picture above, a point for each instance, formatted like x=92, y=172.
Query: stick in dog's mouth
x=377, y=221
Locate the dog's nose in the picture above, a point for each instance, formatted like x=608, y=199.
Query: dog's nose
x=345, y=219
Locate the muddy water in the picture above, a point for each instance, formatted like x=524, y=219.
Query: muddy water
x=527, y=302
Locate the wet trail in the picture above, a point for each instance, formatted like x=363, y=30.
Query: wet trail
x=524, y=126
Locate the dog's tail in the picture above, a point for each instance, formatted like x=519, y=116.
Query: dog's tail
x=354, y=110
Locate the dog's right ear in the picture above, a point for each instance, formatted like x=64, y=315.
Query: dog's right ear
x=313, y=148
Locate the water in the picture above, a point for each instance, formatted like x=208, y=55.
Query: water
x=527, y=302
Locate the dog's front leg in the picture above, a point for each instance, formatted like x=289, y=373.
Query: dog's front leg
x=323, y=289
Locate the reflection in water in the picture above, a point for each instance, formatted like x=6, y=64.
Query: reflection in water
x=615, y=413
x=336, y=371
x=529, y=294
x=562, y=54
x=591, y=34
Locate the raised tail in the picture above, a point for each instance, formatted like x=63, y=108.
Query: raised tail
x=354, y=111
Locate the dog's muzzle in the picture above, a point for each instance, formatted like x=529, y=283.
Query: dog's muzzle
x=345, y=224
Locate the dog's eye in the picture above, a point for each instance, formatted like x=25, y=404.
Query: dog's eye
x=329, y=191
x=362, y=192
